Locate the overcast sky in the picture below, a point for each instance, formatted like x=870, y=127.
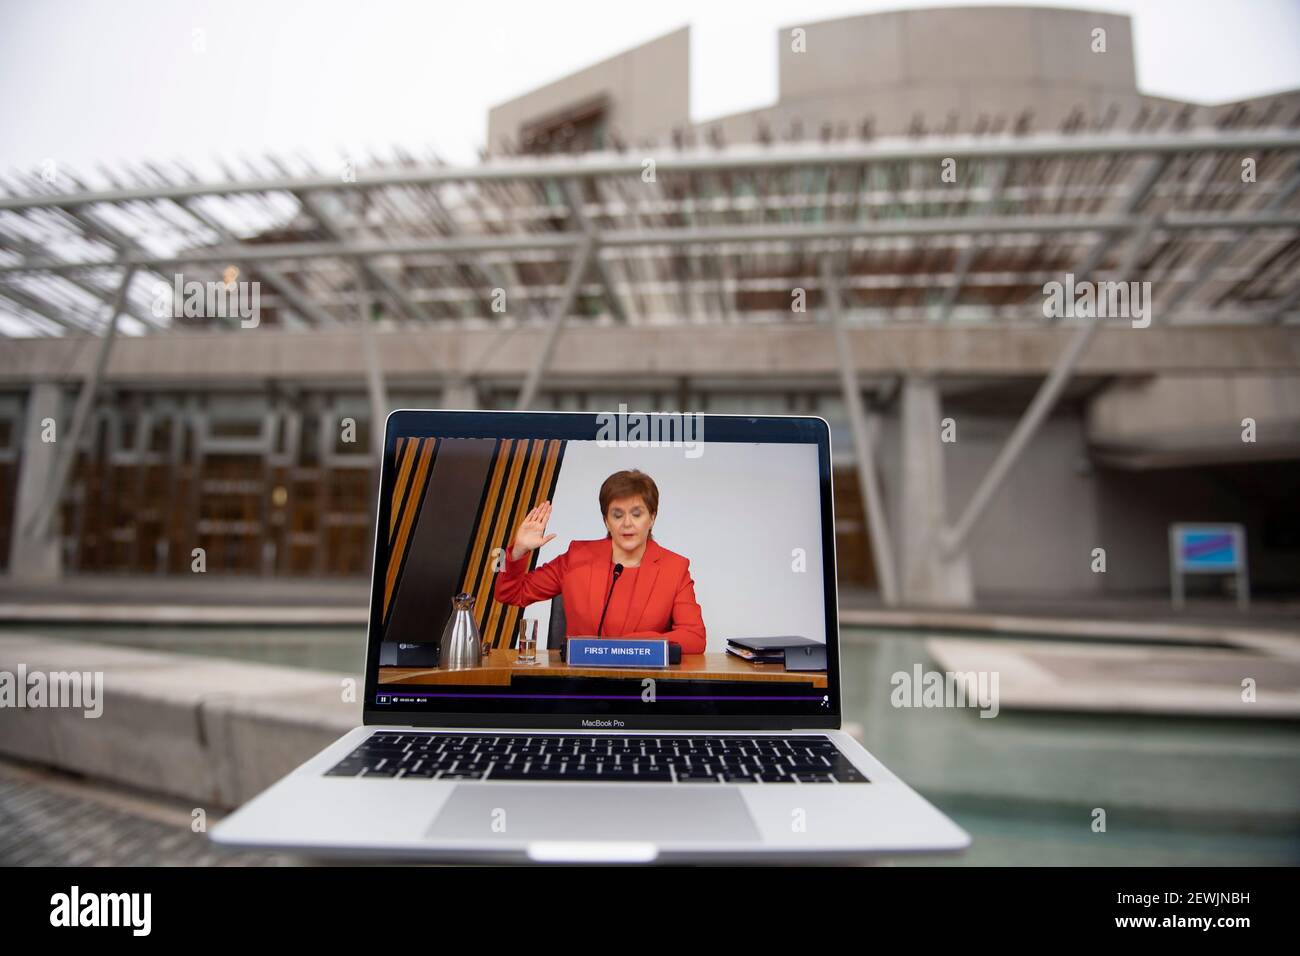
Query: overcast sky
x=86, y=82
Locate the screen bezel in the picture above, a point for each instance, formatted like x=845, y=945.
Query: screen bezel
x=584, y=426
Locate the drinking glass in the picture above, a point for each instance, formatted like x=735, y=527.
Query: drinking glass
x=527, y=642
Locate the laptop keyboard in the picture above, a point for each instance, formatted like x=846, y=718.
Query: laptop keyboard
x=635, y=759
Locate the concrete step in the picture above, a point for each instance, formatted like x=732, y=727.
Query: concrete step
x=213, y=731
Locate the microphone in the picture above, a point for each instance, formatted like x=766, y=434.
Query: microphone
x=618, y=569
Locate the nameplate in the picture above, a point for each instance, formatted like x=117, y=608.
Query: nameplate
x=617, y=652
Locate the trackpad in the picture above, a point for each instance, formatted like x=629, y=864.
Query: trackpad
x=621, y=812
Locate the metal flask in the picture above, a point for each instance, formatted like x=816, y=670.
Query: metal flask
x=461, y=646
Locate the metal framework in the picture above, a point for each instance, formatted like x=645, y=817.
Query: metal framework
x=708, y=236
x=941, y=230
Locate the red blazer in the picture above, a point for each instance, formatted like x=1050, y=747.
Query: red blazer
x=663, y=604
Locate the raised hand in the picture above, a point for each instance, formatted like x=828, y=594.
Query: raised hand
x=532, y=532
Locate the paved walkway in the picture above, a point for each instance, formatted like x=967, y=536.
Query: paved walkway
x=53, y=819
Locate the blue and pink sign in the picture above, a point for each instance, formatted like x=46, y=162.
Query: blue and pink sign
x=1208, y=548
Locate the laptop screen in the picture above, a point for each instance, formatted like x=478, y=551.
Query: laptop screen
x=616, y=570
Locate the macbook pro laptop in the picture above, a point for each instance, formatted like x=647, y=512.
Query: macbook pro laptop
x=548, y=676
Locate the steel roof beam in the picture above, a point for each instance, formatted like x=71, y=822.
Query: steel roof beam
x=555, y=322
x=44, y=308
x=299, y=300
x=736, y=159
x=1226, y=252
x=42, y=517
x=968, y=254
x=404, y=302
x=954, y=538
x=573, y=193
x=882, y=550
x=105, y=296
x=1155, y=169
x=709, y=235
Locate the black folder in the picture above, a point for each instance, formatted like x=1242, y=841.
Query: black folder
x=800, y=653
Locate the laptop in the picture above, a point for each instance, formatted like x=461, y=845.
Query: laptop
x=547, y=673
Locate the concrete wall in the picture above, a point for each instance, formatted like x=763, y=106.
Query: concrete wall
x=1062, y=499
x=977, y=52
x=968, y=68
x=1172, y=451
x=964, y=69
x=585, y=352
x=974, y=65
x=1039, y=532
x=1037, y=535
x=1137, y=508
x=1185, y=419
x=963, y=62
x=649, y=89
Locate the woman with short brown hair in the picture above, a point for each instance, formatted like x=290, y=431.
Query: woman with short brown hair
x=652, y=595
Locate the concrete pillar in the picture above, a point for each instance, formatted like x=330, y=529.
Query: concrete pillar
x=928, y=577
x=33, y=558
x=459, y=393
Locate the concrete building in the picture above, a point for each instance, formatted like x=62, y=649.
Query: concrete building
x=968, y=70
x=874, y=247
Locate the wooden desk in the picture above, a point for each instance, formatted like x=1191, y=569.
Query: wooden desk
x=501, y=668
